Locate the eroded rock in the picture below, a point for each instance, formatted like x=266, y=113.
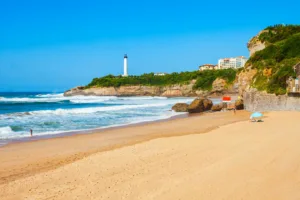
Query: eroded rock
x=180, y=107
x=200, y=105
x=217, y=107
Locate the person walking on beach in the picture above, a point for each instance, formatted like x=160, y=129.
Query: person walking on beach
x=31, y=132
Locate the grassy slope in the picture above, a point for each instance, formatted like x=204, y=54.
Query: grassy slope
x=279, y=57
x=204, y=79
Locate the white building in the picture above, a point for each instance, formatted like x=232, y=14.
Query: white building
x=160, y=74
x=235, y=63
x=208, y=67
x=125, y=65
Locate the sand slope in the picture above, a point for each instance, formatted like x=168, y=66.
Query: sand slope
x=237, y=161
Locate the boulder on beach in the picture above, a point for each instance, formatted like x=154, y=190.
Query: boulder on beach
x=217, y=107
x=180, y=107
x=200, y=105
x=239, y=104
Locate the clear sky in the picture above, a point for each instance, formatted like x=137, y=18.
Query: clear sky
x=52, y=45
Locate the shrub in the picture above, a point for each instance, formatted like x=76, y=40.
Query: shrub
x=203, y=79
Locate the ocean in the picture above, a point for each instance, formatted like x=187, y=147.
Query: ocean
x=52, y=114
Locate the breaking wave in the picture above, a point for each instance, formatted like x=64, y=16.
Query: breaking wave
x=93, y=109
x=6, y=132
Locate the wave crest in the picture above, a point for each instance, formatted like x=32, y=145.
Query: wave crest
x=6, y=132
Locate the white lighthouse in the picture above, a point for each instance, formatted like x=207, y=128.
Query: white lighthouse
x=125, y=65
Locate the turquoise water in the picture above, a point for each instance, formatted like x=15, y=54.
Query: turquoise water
x=51, y=114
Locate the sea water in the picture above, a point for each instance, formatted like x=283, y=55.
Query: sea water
x=52, y=114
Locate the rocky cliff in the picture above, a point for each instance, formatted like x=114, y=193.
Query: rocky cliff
x=167, y=91
x=219, y=87
x=244, y=80
x=255, y=44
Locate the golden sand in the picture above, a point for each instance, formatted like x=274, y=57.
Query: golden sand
x=238, y=160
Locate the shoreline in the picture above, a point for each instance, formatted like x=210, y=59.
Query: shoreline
x=28, y=158
x=84, y=131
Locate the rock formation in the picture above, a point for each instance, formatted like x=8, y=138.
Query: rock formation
x=217, y=107
x=139, y=90
x=219, y=85
x=180, y=107
x=200, y=105
x=255, y=44
x=244, y=80
x=239, y=104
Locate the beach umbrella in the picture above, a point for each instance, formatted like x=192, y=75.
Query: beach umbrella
x=256, y=115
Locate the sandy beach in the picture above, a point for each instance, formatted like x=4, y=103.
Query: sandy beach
x=211, y=156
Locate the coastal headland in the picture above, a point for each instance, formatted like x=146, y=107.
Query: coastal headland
x=234, y=159
x=268, y=81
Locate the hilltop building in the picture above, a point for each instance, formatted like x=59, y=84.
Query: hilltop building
x=160, y=74
x=208, y=67
x=237, y=62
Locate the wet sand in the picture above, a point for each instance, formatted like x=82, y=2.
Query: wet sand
x=235, y=159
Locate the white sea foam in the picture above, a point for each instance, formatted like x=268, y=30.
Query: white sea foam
x=75, y=99
x=94, y=109
x=50, y=95
x=58, y=98
x=6, y=132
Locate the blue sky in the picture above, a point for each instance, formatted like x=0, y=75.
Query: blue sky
x=53, y=45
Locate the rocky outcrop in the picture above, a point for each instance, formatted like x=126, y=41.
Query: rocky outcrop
x=200, y=105
x=262, y=101
x=239, y=104
x=244, y=80
x=255, y=44
x=219, y=85
x=139, y=90
x=180, y=107
x=172, y=93
x=107, y=91
x=217, y=107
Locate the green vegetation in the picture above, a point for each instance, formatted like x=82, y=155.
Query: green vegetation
x=278, y=32
x=204, y=79
x=280, y=55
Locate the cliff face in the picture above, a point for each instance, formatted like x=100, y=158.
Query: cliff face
x=255, y=44
x=244, y=80
x=167, y=91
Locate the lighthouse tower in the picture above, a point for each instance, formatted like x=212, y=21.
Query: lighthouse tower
x=125, y=65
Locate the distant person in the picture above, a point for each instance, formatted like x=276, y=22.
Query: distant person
x=31, y=132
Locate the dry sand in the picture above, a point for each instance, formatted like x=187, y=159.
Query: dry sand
x=241, y=160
